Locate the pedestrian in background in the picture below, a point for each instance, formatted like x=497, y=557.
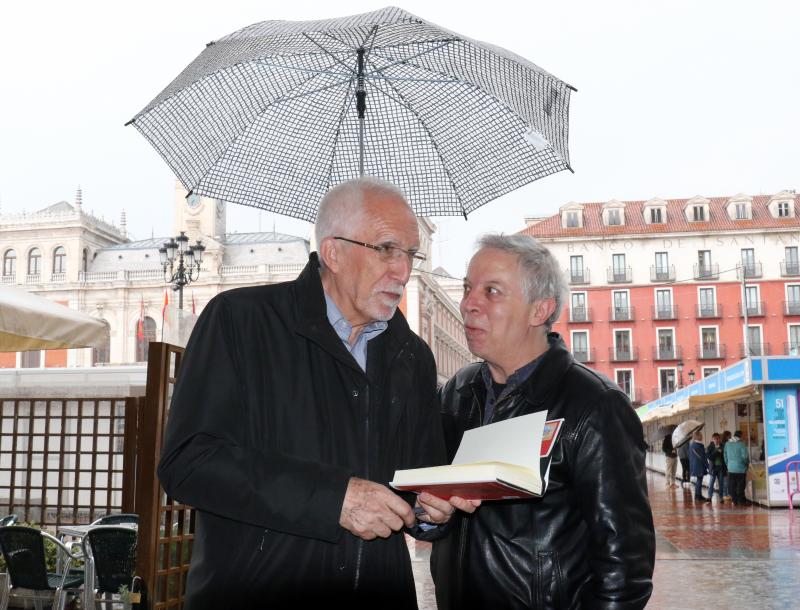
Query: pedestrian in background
x=726, y=488
x=698, y=464
x=716, y=465
x=671, y=456
x=737, y=459
x=683, y=456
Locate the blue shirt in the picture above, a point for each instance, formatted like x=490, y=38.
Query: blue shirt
x=343, y=329
x=516, y=379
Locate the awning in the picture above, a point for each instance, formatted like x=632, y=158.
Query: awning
x=29, y=322
x=700, y=401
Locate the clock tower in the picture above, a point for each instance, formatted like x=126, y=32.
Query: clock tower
x=198, y=215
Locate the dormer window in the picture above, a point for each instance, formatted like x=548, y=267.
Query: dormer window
x=613, y=217
x=656, y=216
x=698, y=213
x=783, y=209
x=613, y=213
x=782, y=205
x=572, y=220
x=742, y=211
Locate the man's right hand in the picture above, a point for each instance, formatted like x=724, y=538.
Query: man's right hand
x=371, y=510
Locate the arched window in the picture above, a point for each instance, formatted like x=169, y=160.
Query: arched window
x=35, y=262
x=102, y=354
x=60, y=260
x=85, y=261
x=145, y=333
x=9, y=263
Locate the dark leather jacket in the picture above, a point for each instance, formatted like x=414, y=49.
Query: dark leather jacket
x=589, y=541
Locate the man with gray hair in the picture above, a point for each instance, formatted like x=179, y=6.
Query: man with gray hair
x=294, y=405
x=589, y=541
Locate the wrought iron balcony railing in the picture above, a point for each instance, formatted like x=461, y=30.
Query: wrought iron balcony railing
x=754, y=349
x=630, y=354
x=662, y=274
x=578, y=276
x=674, y=352
x=749, y=270
x=584, y=355
x=791, y=348
x=620, y=276
x=580, y=314
x=791, y=308
x=709, y=310
x=790, y=268
x=706, y=272
x=621, y=314
x=714, y=351
x=665, y=312
x=754, y=309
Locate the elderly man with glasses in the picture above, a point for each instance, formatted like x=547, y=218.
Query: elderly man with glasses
x=295, y=404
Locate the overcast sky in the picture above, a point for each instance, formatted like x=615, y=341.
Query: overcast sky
x=674, y=99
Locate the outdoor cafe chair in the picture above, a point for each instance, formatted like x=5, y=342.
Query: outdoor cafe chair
x=117, y=519
x=110, y=553
x=9, y=520
x=27, y=577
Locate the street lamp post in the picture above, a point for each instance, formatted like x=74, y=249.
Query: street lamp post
x=680, y=374
x=691, y=376
x=188, y=261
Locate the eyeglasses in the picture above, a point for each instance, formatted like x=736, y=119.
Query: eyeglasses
x=387, y=252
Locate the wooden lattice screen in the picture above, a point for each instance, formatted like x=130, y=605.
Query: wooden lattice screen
x=166, y=528
x=64, y=461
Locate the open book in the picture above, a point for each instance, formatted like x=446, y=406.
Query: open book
x=504, y=460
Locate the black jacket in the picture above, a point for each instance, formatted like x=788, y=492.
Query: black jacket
x=589, y=541
x=270, y=418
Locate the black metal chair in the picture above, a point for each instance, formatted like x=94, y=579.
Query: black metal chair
x=117, y=519
x=27, y=576
x=110, y=551
x=9, y=520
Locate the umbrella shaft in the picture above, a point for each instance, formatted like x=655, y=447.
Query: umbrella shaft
x=361, y=107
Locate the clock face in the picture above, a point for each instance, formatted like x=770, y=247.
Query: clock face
x=193, y=200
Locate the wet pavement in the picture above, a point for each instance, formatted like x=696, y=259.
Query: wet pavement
x=708, y=555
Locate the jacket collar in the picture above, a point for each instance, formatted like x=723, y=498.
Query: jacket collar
x=539, y=386
x=312, y=317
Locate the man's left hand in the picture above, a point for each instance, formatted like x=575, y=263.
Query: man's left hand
x=439, y=511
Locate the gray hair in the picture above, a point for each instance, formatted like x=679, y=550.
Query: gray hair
x=541, y=275
x=342, y=207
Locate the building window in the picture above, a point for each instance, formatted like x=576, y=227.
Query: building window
x=102, y=354
x=751, y=301
x=793, y=347
x=754, y=345
x=791, y=261
x=622, y=310
x=145, y=333
x=613, y=217
x=742, y=211
x=9, y=263
x=622, y=345
x=710, y=347
x=580, y=345
x=656, y=216
x=666, y=381
x=576, y=269
x=34, y=262
x=60, y=260
x=792, y=300
x=85, y=261
x=698, y=213
x=662, y=263
x=578, y=311
x=664, y=304
x=704, y=266
x=783, y=209
x=572, y=220
x=625, y=381
x=709, y=370
x=30, y=360
x=666, y=344
x=749, y=262
x=619, y=271
x=708, y=303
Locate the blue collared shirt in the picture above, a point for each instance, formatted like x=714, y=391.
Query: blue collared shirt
x=516, y=379
x=343, y=329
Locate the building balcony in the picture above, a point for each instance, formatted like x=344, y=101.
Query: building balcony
x=706, y=310
x=711, y=352
x=791, y=308
x=706, y=272
x=630, y=354
x=755, y=309
x=665, y=312
x=580, y=276
x=754, y=349
x=790, y=268
x=585, y=355
x=58, y=278
x=8, y=279
x=791, y=348
x=749, y=270
x=621, y=314
x=580, y=314
x=662, y=274
x=33, y=278
x=620, y=276
x=667, y=353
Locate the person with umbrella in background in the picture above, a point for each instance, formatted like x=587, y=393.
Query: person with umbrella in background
x=295, y=404
x=683, y=456
x=671, y=457
x=698, y=465
x=737, y=459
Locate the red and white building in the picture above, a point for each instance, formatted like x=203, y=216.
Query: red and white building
x=657, y=287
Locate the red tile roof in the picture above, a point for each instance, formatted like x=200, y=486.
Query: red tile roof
x=676, y=219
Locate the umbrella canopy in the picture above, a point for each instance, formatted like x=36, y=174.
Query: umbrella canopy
x=275, y=114
x=29, y=322
x=683, y=433
x=666, y=429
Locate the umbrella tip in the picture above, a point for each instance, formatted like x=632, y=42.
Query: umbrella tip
x=129, y=122
x=208, y=44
